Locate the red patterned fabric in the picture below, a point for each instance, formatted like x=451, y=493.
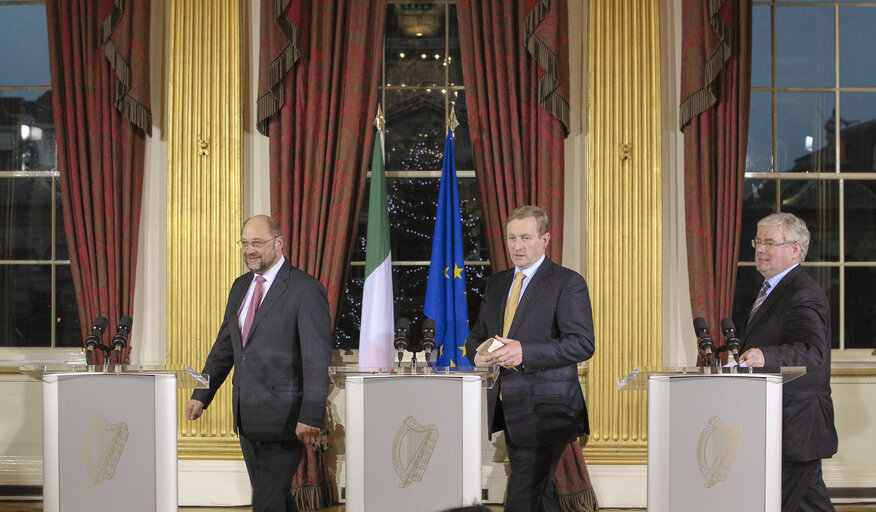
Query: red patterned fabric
x=318, y=86
x=321, y=135
x=515, y=67
x=716, y=92
x=99, y=51
x=572, y=484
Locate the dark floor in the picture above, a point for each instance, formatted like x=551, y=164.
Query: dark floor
x=37, y=506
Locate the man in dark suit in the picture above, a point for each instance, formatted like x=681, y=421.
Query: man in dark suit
x=789, y=325
x=277, y=335
x=539, y=312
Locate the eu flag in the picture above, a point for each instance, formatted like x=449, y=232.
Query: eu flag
x=445, y=291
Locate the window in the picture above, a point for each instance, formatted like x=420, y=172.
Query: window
x=422, y=79
x=38, y=306
x=812, y=151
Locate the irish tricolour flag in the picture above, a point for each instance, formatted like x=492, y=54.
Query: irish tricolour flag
x=376, y=334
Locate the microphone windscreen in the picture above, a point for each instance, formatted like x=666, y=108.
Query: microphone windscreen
x=728, y=325
x=402, y=323
x=700, y=325
x=126, y=322
x=100, y=324
x=428, y=323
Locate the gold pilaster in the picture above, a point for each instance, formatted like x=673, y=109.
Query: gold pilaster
x=623, y=220
x=204, y=199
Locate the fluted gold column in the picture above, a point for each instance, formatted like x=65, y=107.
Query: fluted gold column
x=204, y=199
x=623, y=220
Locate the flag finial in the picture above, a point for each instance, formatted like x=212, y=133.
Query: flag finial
x=379, y=120
x=452, y=123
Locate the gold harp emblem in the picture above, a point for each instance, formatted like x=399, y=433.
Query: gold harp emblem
x=717, y=449
x=102, y=447
x=412, y=449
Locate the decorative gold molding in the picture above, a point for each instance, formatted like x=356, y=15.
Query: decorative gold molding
x=624, y=226
x=204, y=200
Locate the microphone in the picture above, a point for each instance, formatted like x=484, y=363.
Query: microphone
x=428, y=337
x=120, y=340
x=704, y=341
x=733, y=342
x=401, y=337
x=92, y=341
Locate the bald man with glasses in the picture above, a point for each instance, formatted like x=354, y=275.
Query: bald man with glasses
x=276, y=334
x=789, y=325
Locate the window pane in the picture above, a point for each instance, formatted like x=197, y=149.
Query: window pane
x=464, y=158
x=409, y=287
x=60, y=236
x=412, y=206
x=27, y=130
x=805, y=131
x=761, y=47
x=857, y=60
x=26, y=309
x=415, y=129
x=858, y=131
x=67, y=328
x=455, y=62
x=817, y=203
x=758, y=201
x=828, y=279
x=760, y=134
x=26, y=218
x=805, y=46
x=860, y=307
x=415, y=39
x=860, y=222
x=25, y=42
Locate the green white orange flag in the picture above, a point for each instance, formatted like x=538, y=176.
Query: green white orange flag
x=376, y=333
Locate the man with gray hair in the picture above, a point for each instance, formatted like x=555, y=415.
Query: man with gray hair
x=789, y=325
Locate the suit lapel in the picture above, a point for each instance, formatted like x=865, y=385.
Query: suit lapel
x=235, y=302
x=530, y=296
x=277, y=289
x=772, y=298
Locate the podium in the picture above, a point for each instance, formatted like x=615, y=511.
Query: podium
x=711, y=433
x=109, y=436
x=413, y=437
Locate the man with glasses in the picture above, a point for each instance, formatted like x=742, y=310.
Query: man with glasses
x=277, y=335
x=789, y=325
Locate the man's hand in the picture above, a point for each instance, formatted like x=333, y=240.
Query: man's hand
x=509, y=356
x=752, y=357
x=307, y=434
x=194, y=409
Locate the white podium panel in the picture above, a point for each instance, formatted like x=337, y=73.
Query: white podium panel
x=413, y=442
x=109, y=442
x=709, y=437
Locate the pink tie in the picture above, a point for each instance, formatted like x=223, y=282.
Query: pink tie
x=253, y=307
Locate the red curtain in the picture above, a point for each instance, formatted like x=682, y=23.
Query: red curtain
x=318, y=85
x=515, y=66
x=715, y=93
x=99, y=52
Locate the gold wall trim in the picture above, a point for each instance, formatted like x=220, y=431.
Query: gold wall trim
x=204, y=199
x=624, y=220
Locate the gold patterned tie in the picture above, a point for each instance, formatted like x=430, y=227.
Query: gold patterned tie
x=511, y=306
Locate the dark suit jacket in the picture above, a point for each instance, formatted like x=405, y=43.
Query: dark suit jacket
x=542, y=401
x=792, y=328
x=281, y=376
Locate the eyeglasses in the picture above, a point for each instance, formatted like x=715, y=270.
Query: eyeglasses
x=257, y=244
x=769, y=244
